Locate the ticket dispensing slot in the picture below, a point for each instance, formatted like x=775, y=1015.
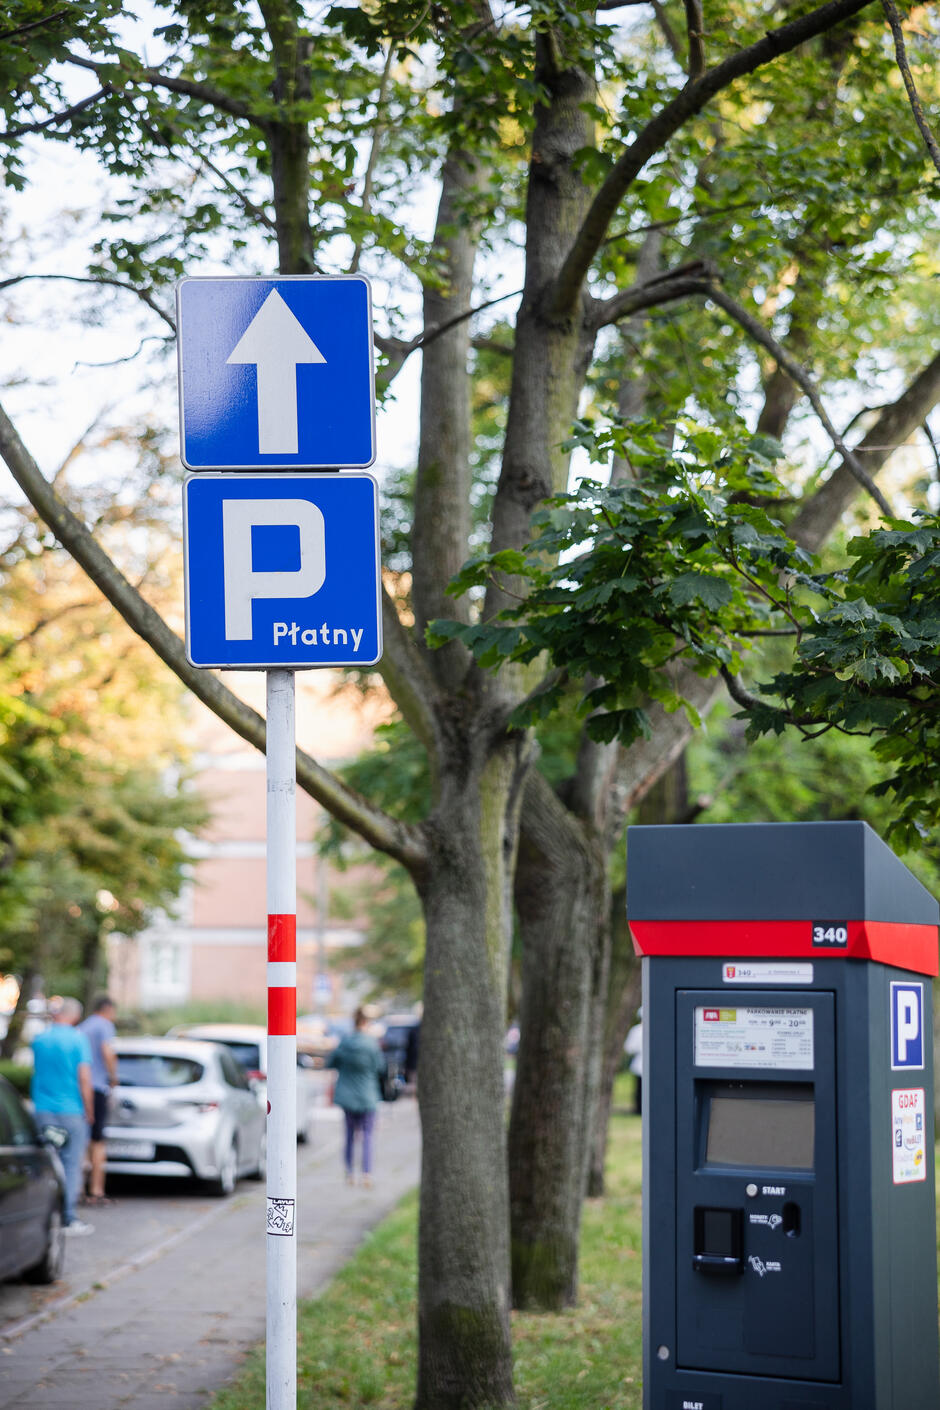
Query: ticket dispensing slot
x=719, y=1241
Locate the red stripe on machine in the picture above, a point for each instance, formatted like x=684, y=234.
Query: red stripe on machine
x=892, y=943
x=282, y=939
x=282, y=1012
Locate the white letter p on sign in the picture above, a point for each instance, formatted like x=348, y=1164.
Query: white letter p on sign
x=242, y=584
x=908, y=1022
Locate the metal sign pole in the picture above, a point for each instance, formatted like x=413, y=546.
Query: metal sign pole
x=276, y=375
x=282, y=1043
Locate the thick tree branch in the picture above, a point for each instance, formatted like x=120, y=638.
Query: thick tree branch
x=932, y=442
x=153, y=78
x=438, y=330
x=398, y=840
x=739, y=692
x=248, y=206
x=669, y=34
x=896, y=423
x=760, y=334
x=680, y=283
x=378, y=133
x=670, y=288
x=42, y=623
x=398, y=350
x=142, y=294
x=695, y=25
x=406, y=673
x=566, y=289
x=57, y=119
x=917, y=108
x=15, y=33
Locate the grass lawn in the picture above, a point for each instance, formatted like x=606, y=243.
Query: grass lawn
x=356, y=1344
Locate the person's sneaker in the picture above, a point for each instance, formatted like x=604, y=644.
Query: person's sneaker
x=78, y=1227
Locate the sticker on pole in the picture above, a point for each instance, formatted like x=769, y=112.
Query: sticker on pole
x=909, y=1135
x=281, y=1217
x=754, y=1037
x=907, y=1026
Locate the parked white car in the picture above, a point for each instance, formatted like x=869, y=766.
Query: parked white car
x=248, y=1045
x=184, y=1108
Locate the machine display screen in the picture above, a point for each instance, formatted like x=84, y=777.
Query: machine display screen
x=763, y=1131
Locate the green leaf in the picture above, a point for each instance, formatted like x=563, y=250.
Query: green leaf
x=700, y=587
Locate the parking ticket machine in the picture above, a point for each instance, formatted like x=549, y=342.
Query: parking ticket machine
x=789, y=1241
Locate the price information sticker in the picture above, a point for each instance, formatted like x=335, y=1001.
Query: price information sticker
x=908, y=1135
x=754, y=1037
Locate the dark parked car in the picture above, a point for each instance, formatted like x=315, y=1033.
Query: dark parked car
x=32, y=1190
x=399, y=1043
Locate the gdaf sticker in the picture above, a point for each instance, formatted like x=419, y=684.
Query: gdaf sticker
x=908, y=1135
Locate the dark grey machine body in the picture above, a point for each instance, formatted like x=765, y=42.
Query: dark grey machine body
x=784, y=1267
x=850, y=1320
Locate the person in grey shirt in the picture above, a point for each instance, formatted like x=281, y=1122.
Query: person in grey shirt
x=99, y=1030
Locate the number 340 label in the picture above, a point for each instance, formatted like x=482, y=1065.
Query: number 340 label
x=825, y=933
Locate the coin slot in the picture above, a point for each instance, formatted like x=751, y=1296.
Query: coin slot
x=791, y=1220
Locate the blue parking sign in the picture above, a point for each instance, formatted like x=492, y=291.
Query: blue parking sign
x=282, y=571
x=907, y=1025
x=276, y=374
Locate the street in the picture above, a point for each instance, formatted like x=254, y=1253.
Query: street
x=161, y=1303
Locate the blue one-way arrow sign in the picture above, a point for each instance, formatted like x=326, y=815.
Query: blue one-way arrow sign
x=276, y=373
x=282, y=571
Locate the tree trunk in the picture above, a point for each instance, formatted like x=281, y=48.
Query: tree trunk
x=464, y=1351
x=288, y=139
x=440, y=533
x=665, y=801
x=92, y=968
x=623, y=998
x=551, y=354
x=561, y=890
x=11, y=1039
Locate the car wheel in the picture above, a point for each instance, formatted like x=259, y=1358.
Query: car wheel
x=224, y=1183
x=261, y=1169
x=49, y=1267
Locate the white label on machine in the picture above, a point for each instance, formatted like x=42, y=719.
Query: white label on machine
x=766, y=972
x=754, y=1037
x=909, y=1135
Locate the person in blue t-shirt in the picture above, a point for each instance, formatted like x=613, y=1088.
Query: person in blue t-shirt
x=63, y=1096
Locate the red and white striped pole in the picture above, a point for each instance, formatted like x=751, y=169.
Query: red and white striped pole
x=281, y=1349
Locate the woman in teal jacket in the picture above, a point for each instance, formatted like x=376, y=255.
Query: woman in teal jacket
x=359, y=1062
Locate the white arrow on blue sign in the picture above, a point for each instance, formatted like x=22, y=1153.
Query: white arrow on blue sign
x=276, y=373
x=282, y=571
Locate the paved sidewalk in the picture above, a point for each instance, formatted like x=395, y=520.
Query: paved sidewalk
x=170, y=1328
